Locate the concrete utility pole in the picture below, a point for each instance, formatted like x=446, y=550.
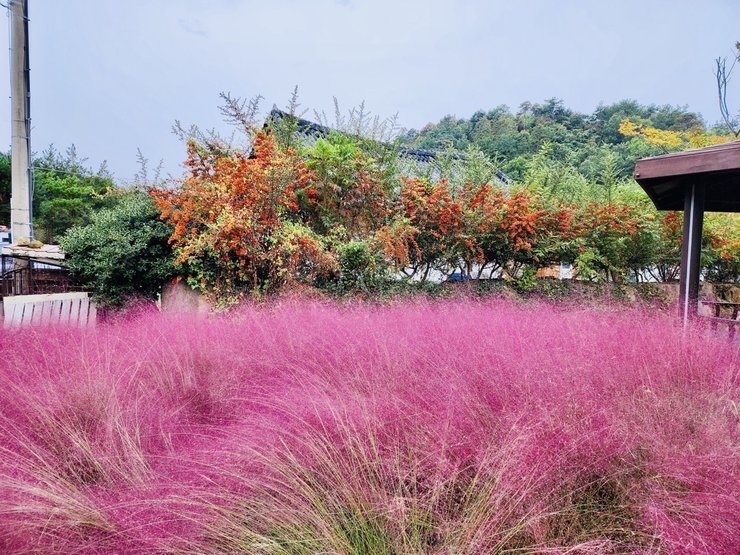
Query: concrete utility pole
x=20, y=107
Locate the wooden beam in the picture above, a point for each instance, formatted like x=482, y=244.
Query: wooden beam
x=720, y=158
x=665, y=178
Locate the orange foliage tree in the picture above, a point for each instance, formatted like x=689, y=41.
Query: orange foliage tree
x=514, y=230
x=234, y=219
x=721, y=252
x=437, y=220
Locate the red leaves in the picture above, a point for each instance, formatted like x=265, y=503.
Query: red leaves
x=397, y=243
x=521, y=221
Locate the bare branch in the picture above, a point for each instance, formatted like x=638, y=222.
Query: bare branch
x=293, y=105
x=241, y=112
x=142, y=175
x=338, y=119
x=723, y=76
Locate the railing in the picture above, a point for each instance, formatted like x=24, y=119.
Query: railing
x=33, y=281
x=721, y=310
x=41, y=293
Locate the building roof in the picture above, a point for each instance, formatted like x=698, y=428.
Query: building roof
x=664, y=178
x=313, y=129
x=49, y=254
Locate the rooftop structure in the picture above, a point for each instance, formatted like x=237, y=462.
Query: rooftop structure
x=717, y=168
x=695, y=181
x=314, y=131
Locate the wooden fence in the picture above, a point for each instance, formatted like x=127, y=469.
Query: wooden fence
x=53, y=308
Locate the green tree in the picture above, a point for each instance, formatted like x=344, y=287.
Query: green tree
x=123, y=252
x=5, y=189
x=66, y=192
x=348, y=188
x=510, y=140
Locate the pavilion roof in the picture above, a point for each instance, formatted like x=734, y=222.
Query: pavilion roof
x=664, y=178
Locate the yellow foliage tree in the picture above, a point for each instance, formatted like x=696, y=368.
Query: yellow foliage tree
x=671, y=140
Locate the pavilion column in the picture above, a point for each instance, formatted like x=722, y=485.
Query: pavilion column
x=693, y=222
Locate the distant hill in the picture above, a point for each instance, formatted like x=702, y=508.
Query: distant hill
x=512, y=138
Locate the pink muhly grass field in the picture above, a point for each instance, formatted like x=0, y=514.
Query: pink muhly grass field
x=452, y=427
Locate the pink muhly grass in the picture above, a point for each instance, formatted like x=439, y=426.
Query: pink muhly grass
x=305, y=427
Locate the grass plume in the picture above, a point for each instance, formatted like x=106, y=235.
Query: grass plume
x=460, y=426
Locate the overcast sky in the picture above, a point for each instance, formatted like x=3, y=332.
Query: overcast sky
x=113, y=75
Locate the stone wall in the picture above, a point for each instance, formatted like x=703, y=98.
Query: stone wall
x=179, y=297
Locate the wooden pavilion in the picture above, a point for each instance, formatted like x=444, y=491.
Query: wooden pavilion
x=695, y=181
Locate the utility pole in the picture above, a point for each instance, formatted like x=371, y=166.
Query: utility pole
x=20, y=107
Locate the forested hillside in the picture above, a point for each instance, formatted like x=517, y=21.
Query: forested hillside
x=585, y=143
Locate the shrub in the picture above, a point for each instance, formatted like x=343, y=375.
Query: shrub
x=123, y=253
x=360, y=268
x=233, y=221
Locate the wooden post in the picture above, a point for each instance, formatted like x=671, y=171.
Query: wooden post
x=693, y=222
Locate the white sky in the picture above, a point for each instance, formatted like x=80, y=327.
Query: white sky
x=113, y=75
